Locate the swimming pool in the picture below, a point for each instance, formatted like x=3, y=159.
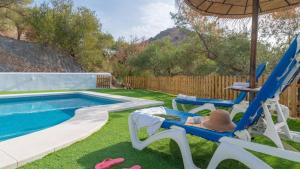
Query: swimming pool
x=26, y=114
x=28, y=142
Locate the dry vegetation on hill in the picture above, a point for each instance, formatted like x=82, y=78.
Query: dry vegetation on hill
x=21, y=56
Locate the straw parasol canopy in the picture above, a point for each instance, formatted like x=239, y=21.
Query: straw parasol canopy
x=237, y=9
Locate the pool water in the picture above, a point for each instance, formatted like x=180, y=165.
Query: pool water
x=27, y=114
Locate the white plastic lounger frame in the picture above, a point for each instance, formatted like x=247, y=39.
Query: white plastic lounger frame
x=242, y=107
x=178, y=134
x=232, y=148
x=280, y=128
x=207, y=106
x=273, y=130
x=229, y=148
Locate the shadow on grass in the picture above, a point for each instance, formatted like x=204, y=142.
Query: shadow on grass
x=153, y=159
x=148, y=158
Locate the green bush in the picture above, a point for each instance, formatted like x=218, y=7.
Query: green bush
x=75, y=31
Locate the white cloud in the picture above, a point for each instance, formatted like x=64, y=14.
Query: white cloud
x=154, y=17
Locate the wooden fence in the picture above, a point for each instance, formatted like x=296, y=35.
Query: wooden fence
x=211, y=86
x=103, y=81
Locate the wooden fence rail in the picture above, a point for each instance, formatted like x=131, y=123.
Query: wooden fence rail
x=103, y=81
x=211, y=86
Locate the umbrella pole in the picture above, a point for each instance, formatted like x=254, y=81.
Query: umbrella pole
x=253, y=46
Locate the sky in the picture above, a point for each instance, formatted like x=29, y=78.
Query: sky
x=131, y=18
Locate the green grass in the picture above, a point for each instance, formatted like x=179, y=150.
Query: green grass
x=113, y=141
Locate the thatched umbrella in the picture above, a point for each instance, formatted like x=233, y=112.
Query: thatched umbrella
x=237, y=9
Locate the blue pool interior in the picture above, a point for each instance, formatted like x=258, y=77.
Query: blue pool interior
x=26, y=114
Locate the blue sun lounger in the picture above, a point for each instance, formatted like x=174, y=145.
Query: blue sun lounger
x=206, y=103
x=233, y=145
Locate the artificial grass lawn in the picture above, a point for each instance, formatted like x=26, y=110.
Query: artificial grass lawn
x=113, y=141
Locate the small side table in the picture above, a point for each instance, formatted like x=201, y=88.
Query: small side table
x=245, y=89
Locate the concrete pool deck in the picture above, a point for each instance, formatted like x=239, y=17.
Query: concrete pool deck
x=18, y=151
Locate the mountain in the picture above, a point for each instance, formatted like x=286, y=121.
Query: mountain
x=22, y=56
x=175, y=34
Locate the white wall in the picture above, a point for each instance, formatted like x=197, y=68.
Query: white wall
x=48, y=81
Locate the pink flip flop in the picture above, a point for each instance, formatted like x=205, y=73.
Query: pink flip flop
x=108, y=163
x=134, y=167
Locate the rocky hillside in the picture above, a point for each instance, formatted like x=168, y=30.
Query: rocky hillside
x=21, y=56
x=175, y=34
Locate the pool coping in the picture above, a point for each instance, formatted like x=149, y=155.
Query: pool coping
x=21, y=150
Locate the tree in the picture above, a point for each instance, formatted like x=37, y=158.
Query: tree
x=191, y=61
x=76, y=31
x=123, y=52
x=12, y=13
x=228, y=49
x=280, y=27
x=8, y=3
x=157, y=59
x=207, y=30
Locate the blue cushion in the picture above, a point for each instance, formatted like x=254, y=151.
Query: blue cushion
x=200, y=132
x=223, y=103
x=200, y=101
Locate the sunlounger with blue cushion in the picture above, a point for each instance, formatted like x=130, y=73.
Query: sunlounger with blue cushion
x=232, y=144
x=206, y=103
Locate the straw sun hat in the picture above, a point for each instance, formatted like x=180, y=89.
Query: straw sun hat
x=219, y=120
